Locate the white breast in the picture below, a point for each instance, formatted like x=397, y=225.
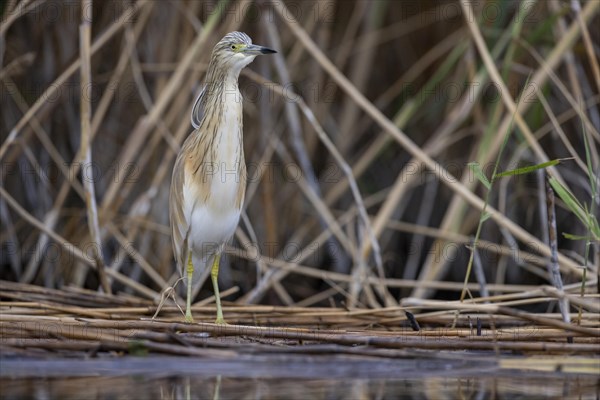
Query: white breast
x=226, y=178
x=214, y=222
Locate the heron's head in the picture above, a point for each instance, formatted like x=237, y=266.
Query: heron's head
x=236, y=50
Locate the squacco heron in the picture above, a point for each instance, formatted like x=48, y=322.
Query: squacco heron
x=209, y=176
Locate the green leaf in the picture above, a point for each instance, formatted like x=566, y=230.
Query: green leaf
x=476, y=168
x=570, y=200
x=570, y=236
x=528, y=169
x=588, y=158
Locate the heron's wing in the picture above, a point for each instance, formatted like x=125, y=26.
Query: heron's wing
x=197, y=110
x=180, y=226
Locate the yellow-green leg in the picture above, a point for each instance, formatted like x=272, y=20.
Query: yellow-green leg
x=214, y=274
x=188, y=303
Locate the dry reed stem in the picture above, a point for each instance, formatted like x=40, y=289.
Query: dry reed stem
x=553, y=268
x=587, y=40
x=430, y=270
x=575, y=103
x=178, y=338
x=51, y=217
x=132, y=219
x=57, y=84
x=85, y=31
x=71, y=248
x=389, y=282
x=139, y=136
x=414, y=150
x=347, y=170
x=509, y=102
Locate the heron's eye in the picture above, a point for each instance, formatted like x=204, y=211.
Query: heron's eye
x=233, y=47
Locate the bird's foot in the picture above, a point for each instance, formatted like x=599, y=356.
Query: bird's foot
x=188, y=318
x=220, y=321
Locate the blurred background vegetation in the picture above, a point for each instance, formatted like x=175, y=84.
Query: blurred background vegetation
x=304, y=241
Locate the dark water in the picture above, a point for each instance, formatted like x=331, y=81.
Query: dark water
x=278, y=378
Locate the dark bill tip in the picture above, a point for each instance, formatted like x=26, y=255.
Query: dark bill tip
x=266, y=50
x=254, y=49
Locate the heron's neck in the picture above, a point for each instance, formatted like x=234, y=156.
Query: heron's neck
x=231, y=95
x=222, y=90
x=223, y=115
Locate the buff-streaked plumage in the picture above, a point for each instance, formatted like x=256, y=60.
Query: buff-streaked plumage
x=209, y=175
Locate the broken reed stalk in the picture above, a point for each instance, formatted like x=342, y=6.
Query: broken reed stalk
x=553, y=268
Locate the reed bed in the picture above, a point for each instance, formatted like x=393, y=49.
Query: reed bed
x=362, y=205
x=38, y=322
